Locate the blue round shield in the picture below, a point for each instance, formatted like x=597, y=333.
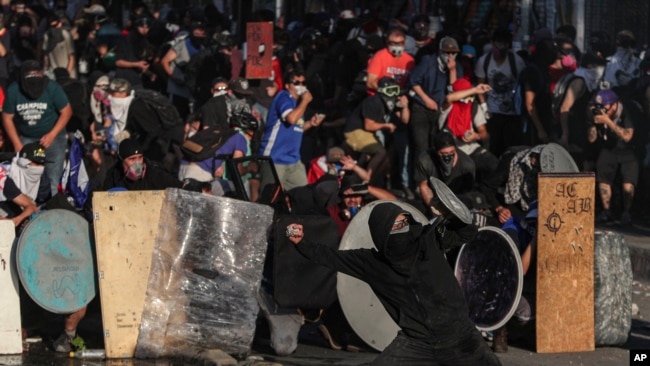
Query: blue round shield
x=55, y=262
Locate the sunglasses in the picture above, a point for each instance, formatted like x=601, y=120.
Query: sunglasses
x=389, y=91
x=298, y=82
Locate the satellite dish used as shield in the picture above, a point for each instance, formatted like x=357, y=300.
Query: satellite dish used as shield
x=361, y=307
x=54, y=261
x=490, y=275
x=555, y=159
x=455, y=206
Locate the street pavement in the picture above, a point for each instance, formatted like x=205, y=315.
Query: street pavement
x=313, y=350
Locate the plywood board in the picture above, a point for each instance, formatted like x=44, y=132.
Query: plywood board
x=125, y=224
x=10, y=334
x=565, y=263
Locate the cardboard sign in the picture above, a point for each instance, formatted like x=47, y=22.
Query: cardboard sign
x=259, y=50
x=565, y=263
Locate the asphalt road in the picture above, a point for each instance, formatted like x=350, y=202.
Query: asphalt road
x=313, y=349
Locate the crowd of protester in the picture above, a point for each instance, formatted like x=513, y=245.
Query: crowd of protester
x=355, y=108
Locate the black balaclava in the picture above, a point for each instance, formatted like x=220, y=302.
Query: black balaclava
x=33, y=85
x=398, y=249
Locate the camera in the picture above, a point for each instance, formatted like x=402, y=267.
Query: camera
x=598, y=109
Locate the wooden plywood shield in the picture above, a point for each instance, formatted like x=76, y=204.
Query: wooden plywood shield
x=10, y=334
x=565, y=263
x=361, y=307
x=125, y=224
x=490, y=275
x=55, y=262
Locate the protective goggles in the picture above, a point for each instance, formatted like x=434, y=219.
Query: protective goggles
x=389, y=91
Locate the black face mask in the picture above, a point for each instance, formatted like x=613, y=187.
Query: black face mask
x=33, y=86
x=401, y=249
x=197, y=42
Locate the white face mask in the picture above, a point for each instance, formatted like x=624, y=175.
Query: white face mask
x=220, y=93
x=301, y=89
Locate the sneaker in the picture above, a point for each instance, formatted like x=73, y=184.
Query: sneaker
x=62, y=344
x=626, y=219
x=604, y=217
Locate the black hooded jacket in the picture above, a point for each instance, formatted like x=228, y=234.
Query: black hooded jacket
x=427, y=303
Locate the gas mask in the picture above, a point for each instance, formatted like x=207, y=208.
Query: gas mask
x=389, y=96
x=569, y=61
x=136, y=171
x=396, y=51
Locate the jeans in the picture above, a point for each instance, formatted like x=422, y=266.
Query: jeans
x=468, y=349
x=55, y=156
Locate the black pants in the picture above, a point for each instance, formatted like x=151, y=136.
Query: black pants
x=505, y=131
x=468, y=349
x=423, y=127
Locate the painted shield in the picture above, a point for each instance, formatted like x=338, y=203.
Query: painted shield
x=455, y=206
x=361, y=307
x=555, y=159
x=55, y=261
x=490, y=275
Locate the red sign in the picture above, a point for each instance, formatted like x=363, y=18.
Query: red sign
x=259, y=50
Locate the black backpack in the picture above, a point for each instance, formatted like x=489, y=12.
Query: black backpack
x=159, y=104
x=560, y=92
x=205, y=143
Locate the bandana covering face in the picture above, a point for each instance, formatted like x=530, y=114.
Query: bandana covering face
x=120, y=111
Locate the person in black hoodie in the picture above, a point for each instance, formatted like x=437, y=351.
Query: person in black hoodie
x=411, y=277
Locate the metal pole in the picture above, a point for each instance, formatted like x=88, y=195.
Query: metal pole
x=279, y=5
x=579, y=21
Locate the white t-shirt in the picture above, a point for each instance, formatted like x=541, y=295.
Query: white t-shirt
x=501, y=79
x=477, y=121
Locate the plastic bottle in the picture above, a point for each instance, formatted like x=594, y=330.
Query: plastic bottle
x=89, y=353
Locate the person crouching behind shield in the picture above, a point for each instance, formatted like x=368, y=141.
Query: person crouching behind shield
x=523, y=231
x=409, y=274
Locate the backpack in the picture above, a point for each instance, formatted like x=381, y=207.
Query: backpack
x=205, y=143
x=560, y=92
x=157, y=103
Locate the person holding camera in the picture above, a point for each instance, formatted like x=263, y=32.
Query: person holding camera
x=613, y=129
x=409, y=273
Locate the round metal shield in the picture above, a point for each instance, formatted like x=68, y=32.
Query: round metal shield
x=555, y=159
x=490, y=275
x=55, y=261
x=361, y=307
x=449, y=200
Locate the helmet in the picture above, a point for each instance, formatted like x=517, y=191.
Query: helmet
x=245, y=121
